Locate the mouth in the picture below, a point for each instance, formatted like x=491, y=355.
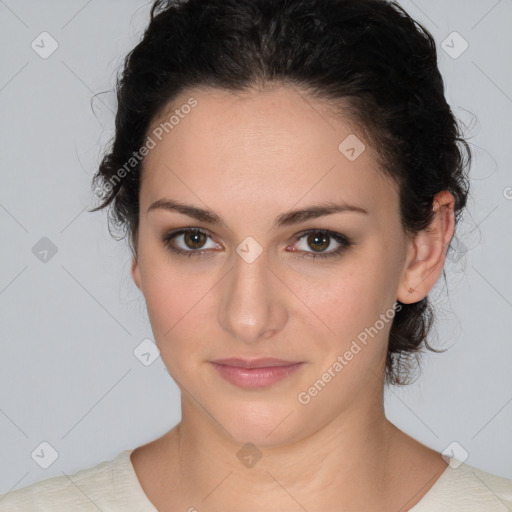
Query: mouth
x=256, y=373
x=263, y=362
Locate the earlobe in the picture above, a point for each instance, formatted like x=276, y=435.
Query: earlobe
x=136, y=274
x=427, y=252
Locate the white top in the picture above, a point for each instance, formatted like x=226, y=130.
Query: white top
x=113, y=486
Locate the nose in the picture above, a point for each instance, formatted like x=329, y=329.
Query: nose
x=253, y=305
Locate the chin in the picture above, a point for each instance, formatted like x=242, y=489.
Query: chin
x=264, y=424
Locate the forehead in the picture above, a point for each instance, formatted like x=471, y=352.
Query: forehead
x=274, y=148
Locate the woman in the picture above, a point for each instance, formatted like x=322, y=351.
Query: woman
x=289, y=176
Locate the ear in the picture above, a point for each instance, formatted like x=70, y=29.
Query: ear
x=427, y=252
x=135, y=271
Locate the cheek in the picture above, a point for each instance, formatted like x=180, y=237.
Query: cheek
x=353, y=316
x=169, y=292
x=171, y=315
x=173, y=302
x=179, y=306
x=351, y=349
x=349, y=299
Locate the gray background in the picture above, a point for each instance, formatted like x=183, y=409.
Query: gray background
x=69, y=325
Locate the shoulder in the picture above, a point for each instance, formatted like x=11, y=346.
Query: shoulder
x=84, y=490
x=465, y=488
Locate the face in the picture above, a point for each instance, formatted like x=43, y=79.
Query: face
x=246, y=283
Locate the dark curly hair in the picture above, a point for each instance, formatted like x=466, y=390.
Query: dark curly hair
x=367, y=59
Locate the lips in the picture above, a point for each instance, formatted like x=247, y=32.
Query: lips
x=265, y=362
x=255, y=373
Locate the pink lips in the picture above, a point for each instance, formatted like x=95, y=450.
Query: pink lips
x=256, y=373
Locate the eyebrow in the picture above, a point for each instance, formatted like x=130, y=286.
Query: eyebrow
x=285, y=219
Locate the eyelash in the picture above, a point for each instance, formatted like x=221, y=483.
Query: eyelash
x=341, y=239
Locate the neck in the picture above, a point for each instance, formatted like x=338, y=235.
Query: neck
x=344, y=462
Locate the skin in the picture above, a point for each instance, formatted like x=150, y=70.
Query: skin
x=251, y=157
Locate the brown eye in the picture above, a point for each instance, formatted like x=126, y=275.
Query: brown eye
x=319, y=241
x=194, y=239
x=189, y=242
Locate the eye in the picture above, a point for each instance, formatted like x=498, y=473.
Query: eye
x=193, y=239
x=193, y=242
x=321, y=240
